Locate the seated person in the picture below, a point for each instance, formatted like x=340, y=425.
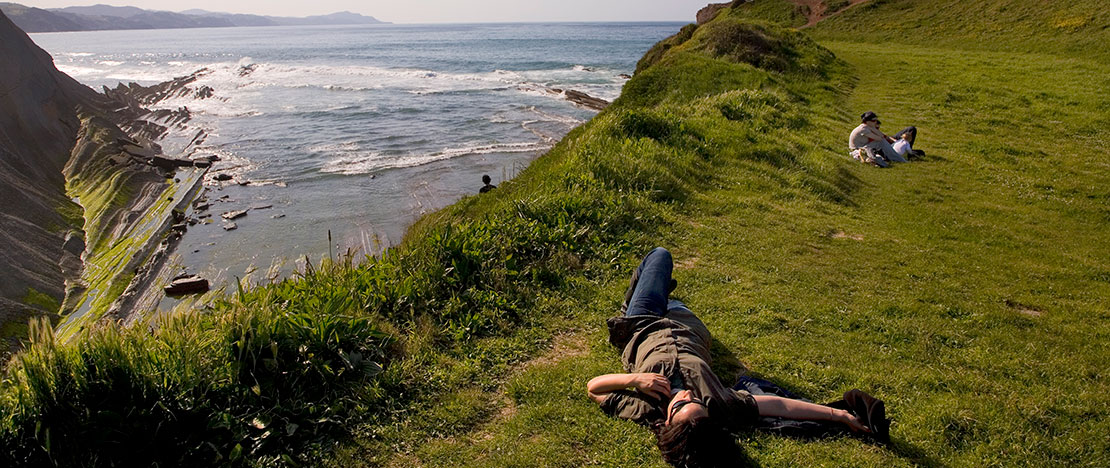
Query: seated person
x=670, y=386
x=867, y=136
x=903, y=143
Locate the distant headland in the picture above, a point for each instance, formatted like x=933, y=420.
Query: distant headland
x=107, y=17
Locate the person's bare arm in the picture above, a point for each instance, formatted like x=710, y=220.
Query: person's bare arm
x=655, y=385
x=779, y=407
x=876, y=134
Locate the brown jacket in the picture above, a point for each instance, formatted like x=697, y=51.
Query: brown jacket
x=676, y=346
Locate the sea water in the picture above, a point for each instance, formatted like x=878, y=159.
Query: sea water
x=356, y=130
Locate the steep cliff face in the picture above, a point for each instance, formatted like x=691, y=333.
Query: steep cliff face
x=39, y=127
x=65, y=176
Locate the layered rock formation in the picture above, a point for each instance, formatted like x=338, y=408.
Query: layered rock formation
x=39, y=122
x=74, y=184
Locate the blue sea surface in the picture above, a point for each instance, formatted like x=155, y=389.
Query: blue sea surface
x=356, y=130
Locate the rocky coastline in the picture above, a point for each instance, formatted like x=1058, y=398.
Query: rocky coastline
x=90, y=194
x=130, y=202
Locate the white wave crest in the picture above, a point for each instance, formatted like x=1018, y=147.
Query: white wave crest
x=357, y=163
x=75, y=71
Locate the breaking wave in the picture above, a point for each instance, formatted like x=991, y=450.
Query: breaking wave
x=356, y=162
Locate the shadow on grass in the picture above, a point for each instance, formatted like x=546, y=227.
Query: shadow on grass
x=849, y=184
x=914, y=454
x=743, y=459
x=931, y=157
x=725, y=363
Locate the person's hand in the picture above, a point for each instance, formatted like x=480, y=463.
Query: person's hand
x=655, y=385
x=853, y=422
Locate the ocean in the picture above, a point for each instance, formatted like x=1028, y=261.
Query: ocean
x=356, y=130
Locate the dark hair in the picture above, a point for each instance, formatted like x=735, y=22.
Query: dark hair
x=696, y=443
x=485, y=179
x=868, y=116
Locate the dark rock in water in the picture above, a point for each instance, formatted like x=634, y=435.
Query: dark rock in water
x=180, y=227
x=222, y=177
x=247, y=69
x=230, y=215
x=625, y=76
x=278, y=216
x=186, y=284
x=204, y=92
x=201, y=207
x=202, y=164
x=242, y=182
x=585, y=100
x=167, y=163
x=230, y=226
x=261, y=206
x=193, y=221
x=178, y=215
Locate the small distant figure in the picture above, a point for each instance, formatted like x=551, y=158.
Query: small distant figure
x=486, y=180
x=869, y=144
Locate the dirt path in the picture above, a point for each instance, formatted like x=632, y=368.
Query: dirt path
x=817, y=10
x=569, y=344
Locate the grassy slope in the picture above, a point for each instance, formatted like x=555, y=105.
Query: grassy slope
x=1078, y=28
x=966, y=289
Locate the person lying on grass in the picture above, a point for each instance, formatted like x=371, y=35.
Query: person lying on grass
x=868, y=136
x=671, y=388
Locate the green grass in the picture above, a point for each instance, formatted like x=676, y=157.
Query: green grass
x=967, y=290
x=781, y=12
x=41, y=300
x=1076, y=28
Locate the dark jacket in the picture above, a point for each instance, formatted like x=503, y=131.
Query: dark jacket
x=676, y=346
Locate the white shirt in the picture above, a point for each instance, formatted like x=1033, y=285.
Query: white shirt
x=862, y=135
x=902, y=147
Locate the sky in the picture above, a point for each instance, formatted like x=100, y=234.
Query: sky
x=429, y=11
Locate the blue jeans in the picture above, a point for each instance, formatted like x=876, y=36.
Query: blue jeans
x=650, y=297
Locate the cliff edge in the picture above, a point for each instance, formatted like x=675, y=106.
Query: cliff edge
x=74, y=185
x=40, y=239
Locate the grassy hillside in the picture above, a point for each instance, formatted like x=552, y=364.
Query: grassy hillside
x=1079, y=28
x=967, y=290
x=1068, y=28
